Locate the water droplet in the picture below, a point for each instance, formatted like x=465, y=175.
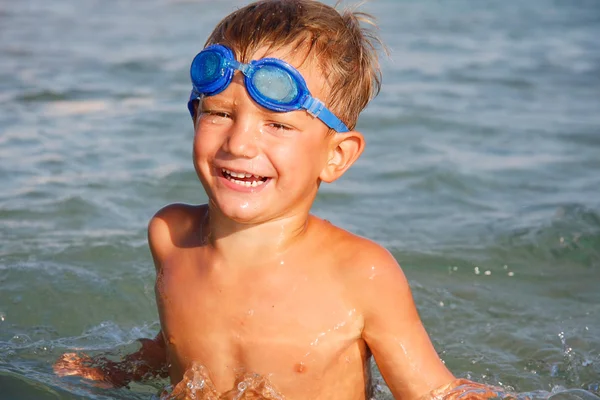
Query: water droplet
x=242, y=386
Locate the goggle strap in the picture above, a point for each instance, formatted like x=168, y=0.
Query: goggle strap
x=313, y=106
x=195, y=95
x=317, y=109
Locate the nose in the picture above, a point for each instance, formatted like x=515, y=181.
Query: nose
x=242, y=140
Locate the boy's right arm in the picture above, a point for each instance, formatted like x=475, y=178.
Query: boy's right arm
x=148, y=362
x=151, y=359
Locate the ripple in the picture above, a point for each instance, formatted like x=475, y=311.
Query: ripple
x=481, y=174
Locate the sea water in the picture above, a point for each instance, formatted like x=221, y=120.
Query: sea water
x=481, y=175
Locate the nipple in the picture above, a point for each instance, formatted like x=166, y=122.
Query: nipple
x=300, y=368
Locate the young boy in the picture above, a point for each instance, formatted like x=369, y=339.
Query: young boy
x=254, y=293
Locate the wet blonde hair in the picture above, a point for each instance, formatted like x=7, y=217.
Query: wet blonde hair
x=344, y=50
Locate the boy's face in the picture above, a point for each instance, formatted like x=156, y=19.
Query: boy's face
x=258, y=165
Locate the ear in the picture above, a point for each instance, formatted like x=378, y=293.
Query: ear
x=344, y=150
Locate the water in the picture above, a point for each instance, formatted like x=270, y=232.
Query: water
x=481, y=175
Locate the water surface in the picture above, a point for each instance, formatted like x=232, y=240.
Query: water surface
x=481, y=175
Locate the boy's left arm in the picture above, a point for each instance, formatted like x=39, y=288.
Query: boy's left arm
x=393, y=330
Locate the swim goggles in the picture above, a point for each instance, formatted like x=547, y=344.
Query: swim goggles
x=271, y=82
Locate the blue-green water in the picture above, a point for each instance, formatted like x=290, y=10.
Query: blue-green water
x=481, y=175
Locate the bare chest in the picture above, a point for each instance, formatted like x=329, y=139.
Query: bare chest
x=293, y=326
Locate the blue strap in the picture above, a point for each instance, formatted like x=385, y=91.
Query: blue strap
x=332, y=121
x=316, y=108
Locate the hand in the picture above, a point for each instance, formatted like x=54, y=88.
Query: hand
x=72, y=364
x=466, y=389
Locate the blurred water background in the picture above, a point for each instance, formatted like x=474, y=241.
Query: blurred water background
x=481, y=175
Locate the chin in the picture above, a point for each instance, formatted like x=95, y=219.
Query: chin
x=243, y=212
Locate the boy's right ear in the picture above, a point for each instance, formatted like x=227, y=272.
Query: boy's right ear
x=344, y=150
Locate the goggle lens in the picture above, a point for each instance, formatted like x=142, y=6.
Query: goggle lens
x=275, y=84
x=207, y=68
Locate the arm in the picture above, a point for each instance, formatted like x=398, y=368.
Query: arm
x=395, y=334
x=149, y=361
x=393, y=330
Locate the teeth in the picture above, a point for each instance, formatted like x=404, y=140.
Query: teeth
x=234, y=174
x=231, y=175
x=247, y=183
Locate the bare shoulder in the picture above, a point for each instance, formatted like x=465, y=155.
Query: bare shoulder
x=359, y=256
x=174, y=226
x=369, y=271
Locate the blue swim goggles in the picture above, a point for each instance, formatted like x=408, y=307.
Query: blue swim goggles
x=272, y=83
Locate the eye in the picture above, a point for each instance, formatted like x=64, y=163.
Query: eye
x=215, y=113
x=214, y=116
x=279, y=129
x=278, y=126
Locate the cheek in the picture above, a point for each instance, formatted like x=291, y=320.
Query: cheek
x=205, y=144
x=301, y=159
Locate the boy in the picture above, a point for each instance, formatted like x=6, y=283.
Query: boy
x=255, y=295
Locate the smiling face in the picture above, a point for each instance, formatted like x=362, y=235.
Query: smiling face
x=258, y=165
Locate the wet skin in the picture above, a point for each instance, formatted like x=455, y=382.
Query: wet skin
x=252, y=283
x=297, y=322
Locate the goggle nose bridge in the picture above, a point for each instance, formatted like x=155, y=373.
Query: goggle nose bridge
x=246, y=69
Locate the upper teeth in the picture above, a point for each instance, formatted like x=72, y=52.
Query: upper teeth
x=234, y=174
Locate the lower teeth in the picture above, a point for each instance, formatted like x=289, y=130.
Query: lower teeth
x=246, y=183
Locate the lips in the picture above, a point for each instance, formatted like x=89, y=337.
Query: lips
x=243, y=179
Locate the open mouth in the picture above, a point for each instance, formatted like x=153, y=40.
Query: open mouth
x=243, y=179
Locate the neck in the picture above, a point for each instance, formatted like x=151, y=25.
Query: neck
x=254, y=244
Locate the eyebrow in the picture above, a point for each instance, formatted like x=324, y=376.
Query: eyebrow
x=215, y=102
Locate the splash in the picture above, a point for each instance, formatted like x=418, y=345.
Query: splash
x=463, y=389
x=197, y=385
